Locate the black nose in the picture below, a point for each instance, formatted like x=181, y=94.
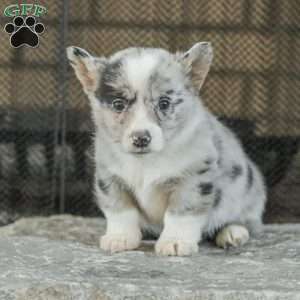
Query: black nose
x=141, y=139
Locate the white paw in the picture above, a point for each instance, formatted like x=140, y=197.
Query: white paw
x=117, y=242
x=175, y=248
x=232, y=235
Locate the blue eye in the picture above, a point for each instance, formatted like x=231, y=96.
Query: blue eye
x=119, y=105
x=164, y=103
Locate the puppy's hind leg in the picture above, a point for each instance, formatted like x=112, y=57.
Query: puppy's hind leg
x=232, y=235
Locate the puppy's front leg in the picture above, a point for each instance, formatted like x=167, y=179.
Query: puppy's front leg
x=184, y=219
x=123, y=220
x=180, y=235
x=122, y=231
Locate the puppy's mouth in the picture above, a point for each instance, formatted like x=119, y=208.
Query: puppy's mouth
x=140, y=152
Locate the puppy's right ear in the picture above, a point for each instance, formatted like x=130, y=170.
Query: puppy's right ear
x=88, y=69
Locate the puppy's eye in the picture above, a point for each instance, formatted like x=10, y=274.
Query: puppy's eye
x=164, y=103
x=119, y=105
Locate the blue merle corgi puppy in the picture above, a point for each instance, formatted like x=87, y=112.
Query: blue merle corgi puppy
x=163, y=162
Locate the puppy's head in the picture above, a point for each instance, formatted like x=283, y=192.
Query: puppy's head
x=143, y=98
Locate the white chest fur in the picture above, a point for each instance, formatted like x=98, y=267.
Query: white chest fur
x=146, y=180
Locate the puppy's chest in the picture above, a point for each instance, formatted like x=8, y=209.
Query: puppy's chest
x=151, y=195
x=153, y=202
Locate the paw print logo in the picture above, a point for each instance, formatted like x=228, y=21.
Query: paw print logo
x=24, y=32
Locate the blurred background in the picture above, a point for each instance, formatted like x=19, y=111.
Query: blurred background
x=253, y=86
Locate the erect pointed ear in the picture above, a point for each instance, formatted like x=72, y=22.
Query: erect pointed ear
x=88, y=69
x=197, y=62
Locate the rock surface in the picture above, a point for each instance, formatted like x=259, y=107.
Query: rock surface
x=57, y=258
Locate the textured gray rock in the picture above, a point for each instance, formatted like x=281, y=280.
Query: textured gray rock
x=62, y=227
x=58, y=258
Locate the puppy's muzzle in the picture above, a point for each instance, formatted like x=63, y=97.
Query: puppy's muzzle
x=141, y=139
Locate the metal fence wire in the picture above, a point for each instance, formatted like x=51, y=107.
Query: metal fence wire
x=45, y=125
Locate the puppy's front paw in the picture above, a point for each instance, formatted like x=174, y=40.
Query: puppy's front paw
x=175, y=248
x=232, y=235
x=117, y=242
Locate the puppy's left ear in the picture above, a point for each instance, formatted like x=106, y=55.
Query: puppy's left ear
x=88, y=68
x=197, y=62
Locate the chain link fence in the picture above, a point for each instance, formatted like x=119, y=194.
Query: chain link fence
x=45, y=126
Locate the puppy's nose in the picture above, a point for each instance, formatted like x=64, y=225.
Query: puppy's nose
x=141, y=139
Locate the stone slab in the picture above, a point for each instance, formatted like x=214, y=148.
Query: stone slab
x=58, y=258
